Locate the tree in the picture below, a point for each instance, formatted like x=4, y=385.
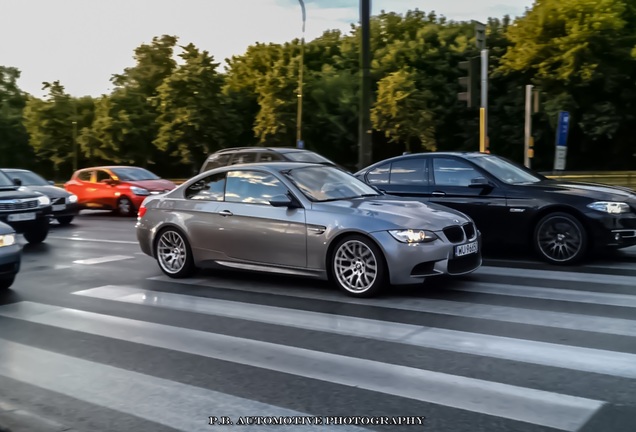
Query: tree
x=14, y=146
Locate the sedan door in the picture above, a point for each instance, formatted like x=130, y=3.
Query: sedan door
x=252, y=230
x=460, y=185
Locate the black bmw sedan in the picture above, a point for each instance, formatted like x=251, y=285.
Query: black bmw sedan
x=512, y=205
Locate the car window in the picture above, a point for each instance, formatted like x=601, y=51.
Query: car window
x=210, y=188
x=401, y=172
x=134, y=174
x=270, y=157
x=252, y=187
x=216, y=161
x=101, y=176
x=84, y=176
x=379, y=175
x=28, y=178
x=453, y=172
x=243, y=157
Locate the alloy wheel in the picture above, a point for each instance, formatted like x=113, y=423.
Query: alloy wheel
x=171, y=252
x=560, y=239
x=355, y=266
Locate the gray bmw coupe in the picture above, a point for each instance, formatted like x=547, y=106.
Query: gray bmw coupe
x=308, y=220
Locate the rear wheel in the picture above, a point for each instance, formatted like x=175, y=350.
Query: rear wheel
x=559, y=238
x=358, y=267
x=174, y=254
x=37, y=233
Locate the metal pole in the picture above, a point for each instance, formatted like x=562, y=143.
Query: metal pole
x=528, y=128
x=299, y=119
x=364, y=130
x=484, y=100
x=75, y=149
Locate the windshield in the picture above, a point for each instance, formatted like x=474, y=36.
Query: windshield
x=5, y=181
x=506, y=171
x=307, y=156
x=28, y=178
x=134, y=174
x=323, y=183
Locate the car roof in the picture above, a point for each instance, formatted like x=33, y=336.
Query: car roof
x=108, y=167
x=427, y=154
x=15, y=169
x=274, y=166
x=260, y=149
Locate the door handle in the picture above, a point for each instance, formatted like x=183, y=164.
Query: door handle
x=438, y=194
x=225, y=213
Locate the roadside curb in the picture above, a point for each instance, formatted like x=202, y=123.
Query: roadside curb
x=15, y=419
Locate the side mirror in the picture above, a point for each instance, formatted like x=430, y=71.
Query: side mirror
x=282, y=201
x=480, y=182
x=17, y=182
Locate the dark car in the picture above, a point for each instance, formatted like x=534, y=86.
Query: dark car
x=26, y=211
x=513, y=205
x=243, y=155
x=64, y=205
x=10, y=256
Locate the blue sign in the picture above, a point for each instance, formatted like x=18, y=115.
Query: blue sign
x=300, y=144
x=563, y=127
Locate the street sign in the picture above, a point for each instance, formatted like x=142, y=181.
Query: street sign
x=300, y=144
x=561, y=150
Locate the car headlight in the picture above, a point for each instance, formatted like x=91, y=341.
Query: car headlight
x=139, y=191
x=44, y=200
x=7, y=240
x=413, y=236
x=72, y=199
x=610, y=207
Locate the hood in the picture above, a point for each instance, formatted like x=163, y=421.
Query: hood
x=160, y=185
x=392, y=212
x=50, y=191
x=592, y=191
x=14, y=193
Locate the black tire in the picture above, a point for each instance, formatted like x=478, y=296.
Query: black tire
x=125, y=207
x=360, y=268
x=560, y=239
x=6, y=282
x=65, y=220
x=174, y=235
x=37, y=233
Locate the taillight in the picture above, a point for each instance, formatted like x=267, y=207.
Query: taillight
x=142, y=211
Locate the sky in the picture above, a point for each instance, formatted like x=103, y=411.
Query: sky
x=82, y=43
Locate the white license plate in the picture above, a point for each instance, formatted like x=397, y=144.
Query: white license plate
x=466, y=249
x=21, y=217
x=59, y=207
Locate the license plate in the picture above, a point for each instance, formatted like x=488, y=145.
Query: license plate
x=21, y=217
x=59, y=207
x=466, y=249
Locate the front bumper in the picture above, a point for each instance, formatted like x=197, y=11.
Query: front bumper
x=412, y=263
x=62, y=209
x=37, y=217
x=612, y=230
x=10, y=259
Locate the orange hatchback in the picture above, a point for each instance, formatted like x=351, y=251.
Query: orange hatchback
x=121, y=188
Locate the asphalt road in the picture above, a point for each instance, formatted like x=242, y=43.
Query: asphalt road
x=94, y=338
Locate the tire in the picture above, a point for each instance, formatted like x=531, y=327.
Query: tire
x=6, y=282
x=65, y=220
x=125, y=207
x=37, y=234
x=169, y=242
x=353, y=257
x=560, y=239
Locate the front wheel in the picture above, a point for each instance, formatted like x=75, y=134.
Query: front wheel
x=37, y=233
x=6, y=282
x=125, y=207
x=358, y=267
x=174, y=254
x=559, y=238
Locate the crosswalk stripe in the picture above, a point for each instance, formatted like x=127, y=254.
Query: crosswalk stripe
x=546, y=354
x=103, y=259
x=607, y=299
x=559, y=275
x=180, y=406
x=444, y=307
x=502, y=400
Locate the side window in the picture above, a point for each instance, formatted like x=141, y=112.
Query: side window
x=243, y=157
x=453, y=172
x=100, y=176
x=379, y=175
x=216, y=162
x=270, y=157
x=84, y=176
x=210, y=188
x=252, y=187
x=409, y=172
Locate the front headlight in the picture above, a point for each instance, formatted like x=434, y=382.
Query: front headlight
x=72, y=199
x=7, y=240
x=610, y=207
x=44, y=200
x=139, y=191
x=413, y=236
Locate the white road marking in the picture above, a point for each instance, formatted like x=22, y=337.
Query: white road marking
x=94, y=240
x=104, y=259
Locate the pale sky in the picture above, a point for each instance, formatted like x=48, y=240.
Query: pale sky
x=82, y=43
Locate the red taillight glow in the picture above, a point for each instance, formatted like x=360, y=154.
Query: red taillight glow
x=141, y=212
